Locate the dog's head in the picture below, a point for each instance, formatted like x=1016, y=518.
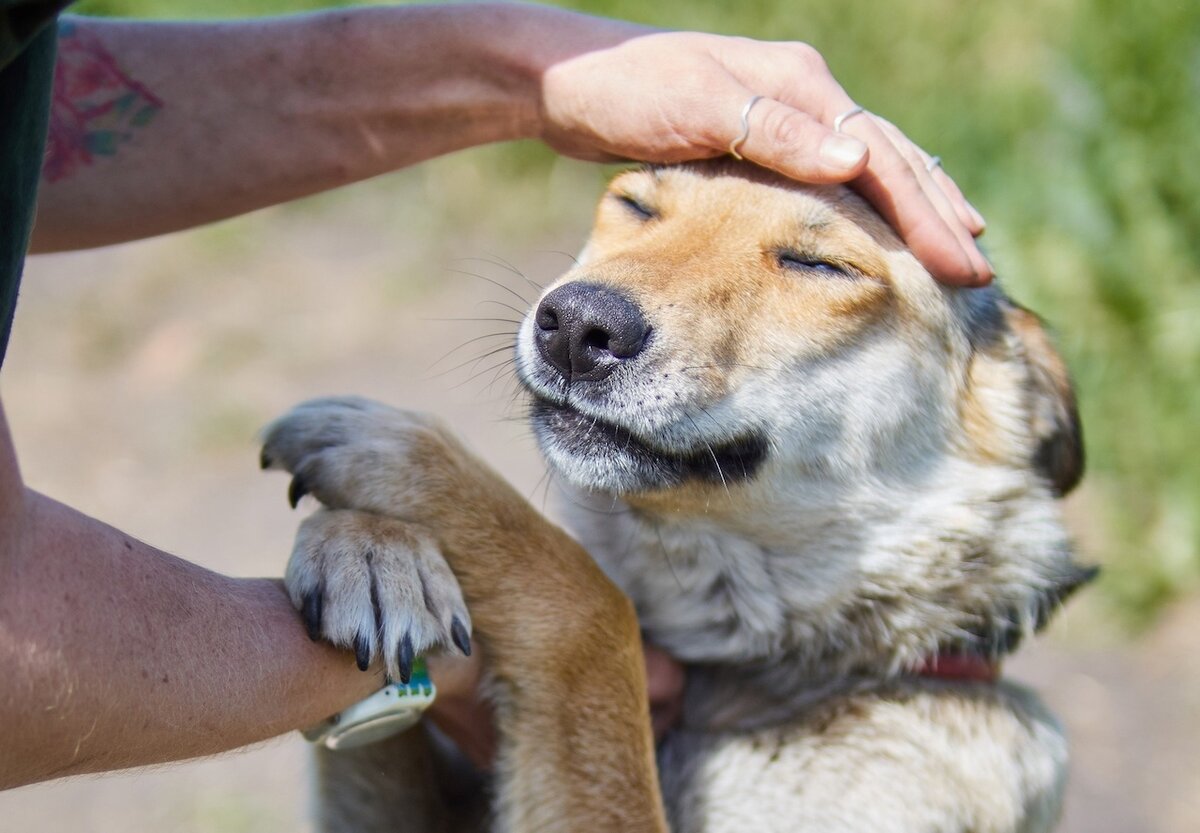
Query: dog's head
x=769, y=360
x=724, y=324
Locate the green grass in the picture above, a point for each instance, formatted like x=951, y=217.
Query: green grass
x=1075, y=127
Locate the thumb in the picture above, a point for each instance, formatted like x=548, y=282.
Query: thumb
x=798, y=146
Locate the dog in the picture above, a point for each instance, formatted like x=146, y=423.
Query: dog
x=829, y=485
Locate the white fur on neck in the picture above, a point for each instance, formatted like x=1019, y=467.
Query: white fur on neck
x=872, y=578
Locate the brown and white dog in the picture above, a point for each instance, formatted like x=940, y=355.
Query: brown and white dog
x=818, y=474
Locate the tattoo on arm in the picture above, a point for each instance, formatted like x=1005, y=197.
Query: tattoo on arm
x=96, y=107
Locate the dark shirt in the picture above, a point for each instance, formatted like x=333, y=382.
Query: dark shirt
x=28, y=39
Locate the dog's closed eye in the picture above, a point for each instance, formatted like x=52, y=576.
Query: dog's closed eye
x=636, y=208
x=794, y=261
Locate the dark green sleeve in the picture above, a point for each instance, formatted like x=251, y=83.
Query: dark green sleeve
x=27, y=46
x=20, y=23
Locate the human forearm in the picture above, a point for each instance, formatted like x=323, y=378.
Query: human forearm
x=203, y=121
x=118, y=655
x=241, y=115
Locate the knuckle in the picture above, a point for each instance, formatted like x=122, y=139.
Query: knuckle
x=788, y=127
x=810, y=57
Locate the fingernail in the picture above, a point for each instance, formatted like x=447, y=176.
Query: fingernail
x=977, y=217
x=840, y=151
x=982, y=268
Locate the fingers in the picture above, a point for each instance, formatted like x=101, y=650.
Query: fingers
x=791, y=131
x=896, y=183
x=924, y=206
x=936, y=181
x=665, y=680
x=970, y=216
x=955, y=218
x=796, y=145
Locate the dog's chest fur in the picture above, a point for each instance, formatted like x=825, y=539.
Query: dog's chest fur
x=793, y=698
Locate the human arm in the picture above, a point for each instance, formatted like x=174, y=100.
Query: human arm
x=116, y=654
x=243, y=115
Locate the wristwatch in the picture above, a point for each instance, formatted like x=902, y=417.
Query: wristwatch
x=390, y=710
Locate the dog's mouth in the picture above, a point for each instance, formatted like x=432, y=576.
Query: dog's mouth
x=597, y=454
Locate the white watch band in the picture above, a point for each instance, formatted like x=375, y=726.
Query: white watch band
x=390, y=710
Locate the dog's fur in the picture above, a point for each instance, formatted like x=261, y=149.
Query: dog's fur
x=816, y=472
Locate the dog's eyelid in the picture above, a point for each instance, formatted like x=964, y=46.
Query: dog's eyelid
x=636, y=206
x=799, y=261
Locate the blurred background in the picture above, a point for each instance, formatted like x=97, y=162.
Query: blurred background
x=139, y=375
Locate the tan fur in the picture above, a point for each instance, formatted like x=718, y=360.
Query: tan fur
x=567, y=677
x=818, y=470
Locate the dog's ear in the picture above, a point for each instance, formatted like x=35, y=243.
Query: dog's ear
x=1019, y=404
x=1050, y=397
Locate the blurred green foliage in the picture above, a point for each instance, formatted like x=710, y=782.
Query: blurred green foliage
x=1074, y=125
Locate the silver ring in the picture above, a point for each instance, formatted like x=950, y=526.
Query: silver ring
x=849, y=114
x=934, y=162
x=737, y=143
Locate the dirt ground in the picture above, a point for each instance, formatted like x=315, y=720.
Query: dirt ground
x=139, y=375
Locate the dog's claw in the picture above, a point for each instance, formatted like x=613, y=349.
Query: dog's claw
x=311, y=611
x=264, y=460
x=362, y=652
x=404, y=658
x=458, y=632
x=296, y=490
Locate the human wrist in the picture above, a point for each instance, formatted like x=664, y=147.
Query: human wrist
x=465, y=74
x=316, y=678
x=521, y=43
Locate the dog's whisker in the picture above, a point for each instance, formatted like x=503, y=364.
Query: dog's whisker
x=567, y=255
x=487, y=369
x=727, y=365
x=544, y=479
x=514, y=321
x=711, y=453
x=493, y=260
x=494, y=282
x=519, y=312
x=500, y=374
x=569, y=495
x=466, y=344
x=666, y=552
x=474, y=361
x=496, y=260
x=551, y=482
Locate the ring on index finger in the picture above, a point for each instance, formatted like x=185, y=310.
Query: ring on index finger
x=737, y=143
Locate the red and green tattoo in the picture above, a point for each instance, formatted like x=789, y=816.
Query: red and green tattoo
x=96, y=107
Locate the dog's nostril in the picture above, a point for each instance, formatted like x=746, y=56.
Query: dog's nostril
x=598, y=338
x=547, y=318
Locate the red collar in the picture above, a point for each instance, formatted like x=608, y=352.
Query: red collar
x=967, y=667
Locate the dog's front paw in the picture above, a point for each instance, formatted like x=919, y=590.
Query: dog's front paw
x=377, y=586
x=353, y=453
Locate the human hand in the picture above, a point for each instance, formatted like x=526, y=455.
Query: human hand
x=676, y=96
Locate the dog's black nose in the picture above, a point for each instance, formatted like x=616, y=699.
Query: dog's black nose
x=585, y=330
